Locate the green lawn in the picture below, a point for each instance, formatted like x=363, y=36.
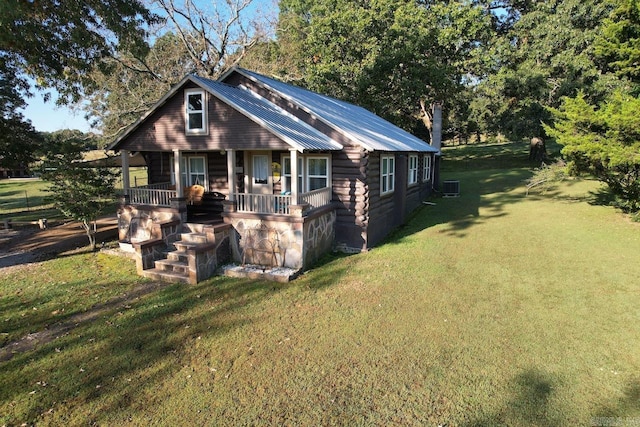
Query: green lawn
x=488, y=309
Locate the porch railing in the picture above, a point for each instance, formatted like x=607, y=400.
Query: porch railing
x=317, y=198
x=151, y=196
x=264, y=203
x=279, y=203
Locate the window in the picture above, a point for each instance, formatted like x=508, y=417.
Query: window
x=286, y=173
x=196, y=117
x=413, y=169
x=387, y=174
x=426, y=167
x=317, y=173
x=260, y=169
x=193, y=171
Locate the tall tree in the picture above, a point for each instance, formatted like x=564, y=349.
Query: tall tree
x=543, y=51
x=18, y=139
x=205, y=39
x=59, y=41
x=391, y=56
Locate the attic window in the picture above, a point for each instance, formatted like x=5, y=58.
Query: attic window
x=196, y=116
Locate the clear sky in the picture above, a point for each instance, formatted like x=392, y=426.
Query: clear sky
x=47, y=117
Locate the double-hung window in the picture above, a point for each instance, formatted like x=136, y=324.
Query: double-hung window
x=195, y=114
x=426, y=167
x=387, y=174
x=193, y=170
x=413, y=169
x=317, y=173
x=286, y=173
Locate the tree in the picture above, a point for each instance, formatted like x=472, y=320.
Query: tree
x=81, y=193
x=18, y=139
x=196, y=38
x=390, y=56
x=603, y=141
x=542, y=51
x=58, y=42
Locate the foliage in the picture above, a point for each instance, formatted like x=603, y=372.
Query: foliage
x=58, y=42
x=547, y=176
x=542, y=52
x=198, y=38
x=392, y=57
x=603, y=141
x=617, y=48
x=19, y=141
x=79, y=192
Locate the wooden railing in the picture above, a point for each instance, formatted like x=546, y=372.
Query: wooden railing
x=264, y=203
x=151, y=196
x=279, y=203
x=317, y=198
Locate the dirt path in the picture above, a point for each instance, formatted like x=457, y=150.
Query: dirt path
x=30, y=244
x=26, y=246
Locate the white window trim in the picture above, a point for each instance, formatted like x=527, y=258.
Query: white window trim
x=426, y=168
x=185, y=170
x=309, y=176
x=390, y=176
x=301, y=180
x=413, y=169
x=205, y=128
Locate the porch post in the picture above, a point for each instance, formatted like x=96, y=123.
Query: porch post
x=231, y=174
x=124, y=155
x=177, y=164
x=294, y=176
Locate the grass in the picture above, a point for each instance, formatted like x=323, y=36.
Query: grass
x=26, y=199
x=488, y=309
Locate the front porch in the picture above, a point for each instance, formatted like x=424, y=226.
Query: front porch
x=262, y=218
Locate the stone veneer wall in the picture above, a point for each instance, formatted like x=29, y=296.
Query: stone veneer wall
x=137, y=223
x=281, y=241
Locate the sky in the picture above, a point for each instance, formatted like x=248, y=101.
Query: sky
x=47, y=117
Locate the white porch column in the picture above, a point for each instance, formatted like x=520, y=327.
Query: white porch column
x=126, y=184
x=177, y=166
x=294, y=176
x=231, y=174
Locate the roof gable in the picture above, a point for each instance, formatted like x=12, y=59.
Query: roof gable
x=360, y=125
x=290, y=129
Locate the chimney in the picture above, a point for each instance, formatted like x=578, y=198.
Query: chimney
x=436, y=130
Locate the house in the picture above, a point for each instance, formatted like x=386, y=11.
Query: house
x=257, y=171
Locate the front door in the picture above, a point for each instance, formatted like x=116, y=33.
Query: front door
x=261, y=174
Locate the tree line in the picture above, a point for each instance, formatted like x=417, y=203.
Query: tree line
x=567, y=70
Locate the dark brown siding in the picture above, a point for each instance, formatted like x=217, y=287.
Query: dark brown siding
x=351, y=195
x=164, y=130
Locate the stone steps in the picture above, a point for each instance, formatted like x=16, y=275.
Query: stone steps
x=175, y=267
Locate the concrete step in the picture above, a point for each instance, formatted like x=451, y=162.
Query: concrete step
x=193, y=238
x=166, y=276
x=178, y=256
x=172, y=266
x=184, y=246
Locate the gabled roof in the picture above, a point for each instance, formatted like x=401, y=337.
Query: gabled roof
x=289, y=128
x=357, y=123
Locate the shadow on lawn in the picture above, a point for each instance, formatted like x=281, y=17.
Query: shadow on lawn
x=122, y=350
x=484, y=195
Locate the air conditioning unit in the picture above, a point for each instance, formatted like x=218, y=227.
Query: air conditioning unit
x=450, y=188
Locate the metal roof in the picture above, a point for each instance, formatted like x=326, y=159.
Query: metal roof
x=283, y=124
x=357, y=123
